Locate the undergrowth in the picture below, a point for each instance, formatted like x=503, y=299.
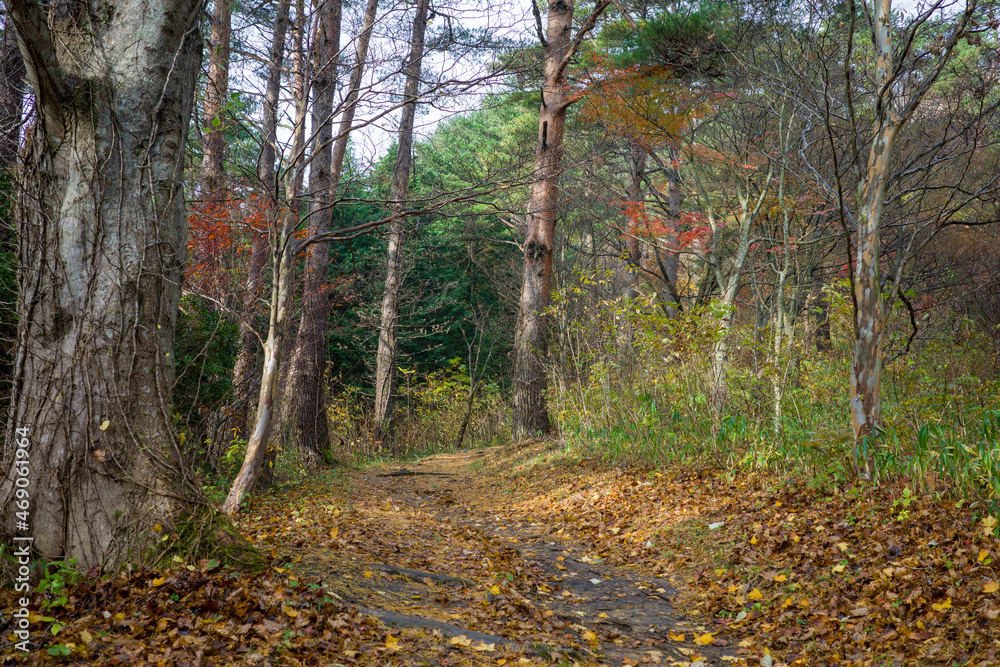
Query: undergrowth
x=632, y=386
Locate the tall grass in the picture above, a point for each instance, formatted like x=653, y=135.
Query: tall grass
x=632, y=385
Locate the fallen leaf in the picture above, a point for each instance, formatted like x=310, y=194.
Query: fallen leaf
x=704, y=639
x=943, y=606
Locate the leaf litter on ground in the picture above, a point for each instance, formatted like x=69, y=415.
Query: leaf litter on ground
x=765, y=570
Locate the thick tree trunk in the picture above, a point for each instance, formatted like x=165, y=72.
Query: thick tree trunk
x=385, y=372
x=102, y=246
x=213, y=175
x=308, y=361
x=246, y=376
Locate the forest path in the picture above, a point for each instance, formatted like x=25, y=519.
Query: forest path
x=448, y=546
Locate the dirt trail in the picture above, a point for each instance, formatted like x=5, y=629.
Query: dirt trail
x=436, y=545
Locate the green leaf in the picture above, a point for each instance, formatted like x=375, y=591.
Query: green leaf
x=58, y=650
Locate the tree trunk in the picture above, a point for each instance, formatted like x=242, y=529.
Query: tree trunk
x=633, y=244
x=213, y=176
x=281, y=303
x=245, y=373
x=820, y=309
x=11, y=113
x=385, y=372
x=866, y=365
x=11, y=98
x=259, y=455
x=308, y=361
x=528, y=377
x=102, y=246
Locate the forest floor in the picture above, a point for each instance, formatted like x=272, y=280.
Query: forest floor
x=532, y=555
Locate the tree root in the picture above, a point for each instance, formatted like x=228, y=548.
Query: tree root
x=418, y=576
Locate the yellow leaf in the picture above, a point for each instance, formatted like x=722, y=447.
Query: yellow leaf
x=157, y=528
x=159, y=581
x=461, y=640
x=392, y=643
x=291, y=612
x=602, y=615
x=944, y=606
x=704, y=640
x=86, y=637
x=495, y=590
x=989, y=523
x=991, y=587
x=333, y=532
x=105, y=424
x=983, y=555
x=804, y=602
x=368, y=573
x=484, y=647
x=590, y=637
x=679, y=637
x=838, y=568
x=781, y=578
x=753, y=540
x=786, y=603
x=842, y=546
x=755, y=594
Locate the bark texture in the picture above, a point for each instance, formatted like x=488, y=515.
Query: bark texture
x=102, y=245
x=11, y=97
x=529, y=378
x=388, y=338
x=213, y=175
x=309, y=358
x=869, y=302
